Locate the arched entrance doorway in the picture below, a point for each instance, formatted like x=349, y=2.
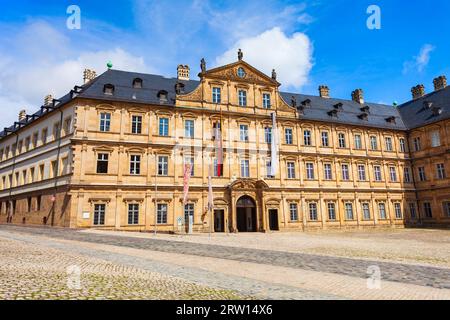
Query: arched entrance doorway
x=246, y=214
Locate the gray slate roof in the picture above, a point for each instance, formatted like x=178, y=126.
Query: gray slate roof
x=407, y=116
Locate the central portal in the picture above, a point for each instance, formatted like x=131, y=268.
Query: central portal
x=246, y=214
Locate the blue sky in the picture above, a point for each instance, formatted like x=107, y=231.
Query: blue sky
x=308, y=42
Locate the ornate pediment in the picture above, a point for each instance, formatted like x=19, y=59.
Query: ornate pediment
x=240, y=71
x=248, y=184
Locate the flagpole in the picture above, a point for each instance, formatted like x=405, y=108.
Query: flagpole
x=156, y=194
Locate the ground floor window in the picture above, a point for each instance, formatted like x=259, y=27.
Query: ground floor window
x=293, y=209
x=427, y=209
x=382, y=210
x=447, y=209
x=313, y=211
x=331, y=211
x=188, y=212
x=349, y=211
x=412, y=210
x=99, y=214
x=162, y=214
x=366, y=211
x=398, y=210
x=133, y=213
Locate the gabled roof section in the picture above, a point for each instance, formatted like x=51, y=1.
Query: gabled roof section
x=423, y=111
x=229, y=72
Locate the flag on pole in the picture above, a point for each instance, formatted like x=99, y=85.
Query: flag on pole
x=186, y=178
x=210, y=194
x=274, y=147
x=219, y=148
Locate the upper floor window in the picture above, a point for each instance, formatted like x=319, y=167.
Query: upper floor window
x=137, y=83
x=44, y=135
x=135, y=164
x=345, y=172
x=341, y=138
x=35, y=139
x=402, y=143
x=327, y=171
x=242, y=94
x=102, y=163
x=358, y=141
x=266, y=101
x=163, y=165
x=325, y=140
x=373, y=143
x=440, y=168
x=245, y=169
x=291, y=170
x=407, y=174
x=105, y=121
x=307, y=137
x=377, y=173
x=417, y=144
x=422, y=175
x=108, y=89
x=136, y=124
x=164, y=127
x=393, y=174
x=388, y=141
x=67, y=125
x=189, y=127
x=269, y=169
x=189, y=160
x=56, y=131
x=435, y=139
x=241, y=73
x=243, y=132
x=288, y=136
x=268, y=134
x=362, y=172
x=310, y=171
x=216, y=95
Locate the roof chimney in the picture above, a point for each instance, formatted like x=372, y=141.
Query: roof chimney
x=89, y=75
x=440, y=83
x=183, y=72
x=22, y=115
x=48, y=100
x=358, y=96
x=324, y=92
x=418, y=91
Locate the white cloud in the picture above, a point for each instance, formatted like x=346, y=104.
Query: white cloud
x=25, y=79
x=290, y=56
x=421, y=61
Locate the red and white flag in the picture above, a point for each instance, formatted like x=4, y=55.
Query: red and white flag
x=219, y=149
x=186, y=178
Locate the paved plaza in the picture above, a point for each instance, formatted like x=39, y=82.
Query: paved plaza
x=45, y=263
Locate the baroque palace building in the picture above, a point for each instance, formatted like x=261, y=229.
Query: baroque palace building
x=111, y=154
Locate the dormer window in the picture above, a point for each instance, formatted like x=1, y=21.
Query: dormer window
x=338, y=106
x=162, y=95
x=306, y=103
x=391, y=120
x=436, y=111
x=333, y=113
x=365, y=109
x=179, y=88
x=108, y=89
x=364, y=116
x=137, y=83
x=427, y=104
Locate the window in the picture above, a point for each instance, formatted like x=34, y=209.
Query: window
x=328, y=175
x=446, y=209
x=388, y=142
x=307, y=138
x=313, y=211
x=398, y=210
x=136, y=124
x=402, y=145
x=291, y=170
x=440, y=168
x=373, y=143
x=218, y=169
x=54, y=166
x=245, y=169
x=135, y=164
x=422, y=176
x=133, y=213
x=108, y=89
x=44, y=135
x=362, y=172
x=366, y=211
x=417, y=144
x=310, y=171
x=341, y=138
x=102, y=163
x=331, y=211
x=29, y=204
x=64, y=165
x=269, y=169
x=163, y=165
x=137, y=83
x=241, y=73
x=189, y=128
x=407, y=174
x=105, y=121
x=164, y=127
x=382, y=210
x=427, y=209
x=242, y=94
x=35, y=139
x=325, y=140
x=32, y=175
x=435, y=139
x=67, y=125
x=38, y=203
x=162, y=214
x=358, y=142
x=349, y=211
x=41, y=172
x=188, y=212
x=268, y=135
x=27, y=143
x=345, y=172
x=393, y=174
x=377, y=173
x=412, y=210
x=216, y=95
x=243, y=132
x=266, y=101
x=56, y=131
x=19, y=147
x=99, y=214
x=288, y=136
x=293, y=209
